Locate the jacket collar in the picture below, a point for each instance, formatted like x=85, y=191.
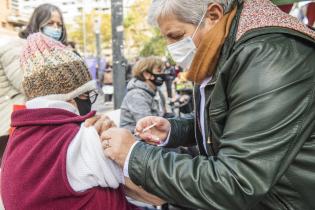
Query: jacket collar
x=247, y=24
x=47, y=112
x=38, y=103
x=138, y=84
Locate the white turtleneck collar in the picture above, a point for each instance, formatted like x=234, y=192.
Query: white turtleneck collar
x=38, y=103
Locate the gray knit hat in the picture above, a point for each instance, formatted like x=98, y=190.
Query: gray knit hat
x=53, y=71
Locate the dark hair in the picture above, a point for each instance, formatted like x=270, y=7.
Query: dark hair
x=39, y=18
x=71, y=44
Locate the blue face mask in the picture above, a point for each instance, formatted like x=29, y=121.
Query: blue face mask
x=53, y=32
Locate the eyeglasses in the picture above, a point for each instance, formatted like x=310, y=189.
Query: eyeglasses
x=91, y=95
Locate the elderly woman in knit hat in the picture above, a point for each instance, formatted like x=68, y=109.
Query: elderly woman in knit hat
x=52, y=160
x=253, y=69
x=47, y=19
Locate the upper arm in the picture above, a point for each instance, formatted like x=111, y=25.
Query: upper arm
x=87, y=165
x=271, y=92
x=270, y=98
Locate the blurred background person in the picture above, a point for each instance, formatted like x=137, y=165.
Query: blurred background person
x=170, y=75
x=140, y=100
x=47, y=19
x=178, y=69
x=72, y=45
x=108, y=88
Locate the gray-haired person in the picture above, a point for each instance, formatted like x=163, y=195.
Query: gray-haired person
x=254, y=71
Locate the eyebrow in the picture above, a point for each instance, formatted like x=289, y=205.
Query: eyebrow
x=174, y=33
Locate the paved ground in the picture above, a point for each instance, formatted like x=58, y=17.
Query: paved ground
x=101, y=106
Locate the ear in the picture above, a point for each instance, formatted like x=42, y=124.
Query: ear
x=214, y=13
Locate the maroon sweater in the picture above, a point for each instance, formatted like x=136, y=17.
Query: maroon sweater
x=33, y=174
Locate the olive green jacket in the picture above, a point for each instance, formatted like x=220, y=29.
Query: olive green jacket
x=260, y=121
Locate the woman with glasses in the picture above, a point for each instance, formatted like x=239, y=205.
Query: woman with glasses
x=58, y=161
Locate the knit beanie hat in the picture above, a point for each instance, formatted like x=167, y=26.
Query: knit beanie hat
x=53, y=71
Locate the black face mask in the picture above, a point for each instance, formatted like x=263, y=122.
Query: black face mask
x=158, y=79
x=84, y=105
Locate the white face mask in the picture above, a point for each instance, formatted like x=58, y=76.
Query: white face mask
x=183, y=51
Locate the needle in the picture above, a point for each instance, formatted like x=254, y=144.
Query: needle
x=146, y=129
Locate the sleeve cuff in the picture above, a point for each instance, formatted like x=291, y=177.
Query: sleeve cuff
x=138, y=162
x=163, y=144
x=125, y=170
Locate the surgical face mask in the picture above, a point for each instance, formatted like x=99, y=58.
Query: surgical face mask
x=53, y=32
x=183, y=51
x=84, y=105
x=158, y=79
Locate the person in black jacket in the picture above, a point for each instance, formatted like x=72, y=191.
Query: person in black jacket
x=169, y=78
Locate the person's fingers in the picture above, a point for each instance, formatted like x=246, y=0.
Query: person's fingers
x=108, y=153
x=91, y=121
x=141, y=125
x=150, y=137
x=146, y=136
x=113, y=124
x=145, y=122
x=106, y=135
x=98, y=124
x=106, y=144
x=161, y=123
x=155, y=138
x=106, y=125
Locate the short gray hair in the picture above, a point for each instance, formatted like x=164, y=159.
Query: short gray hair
x=188, y=11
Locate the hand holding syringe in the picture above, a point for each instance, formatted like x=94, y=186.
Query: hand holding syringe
x=153, y=130
x=146, y=129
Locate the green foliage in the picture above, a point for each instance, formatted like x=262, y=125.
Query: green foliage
x=136, y=29
x=155, y=46
x=139, y=37
x=76, y=33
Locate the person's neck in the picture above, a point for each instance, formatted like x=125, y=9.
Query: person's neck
x=151, y=85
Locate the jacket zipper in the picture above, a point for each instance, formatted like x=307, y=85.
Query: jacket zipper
x=209, y=138
x=197, y=120
x=209, y=132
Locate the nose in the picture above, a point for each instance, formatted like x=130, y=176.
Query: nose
x=170, y=41
x=55, y=25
